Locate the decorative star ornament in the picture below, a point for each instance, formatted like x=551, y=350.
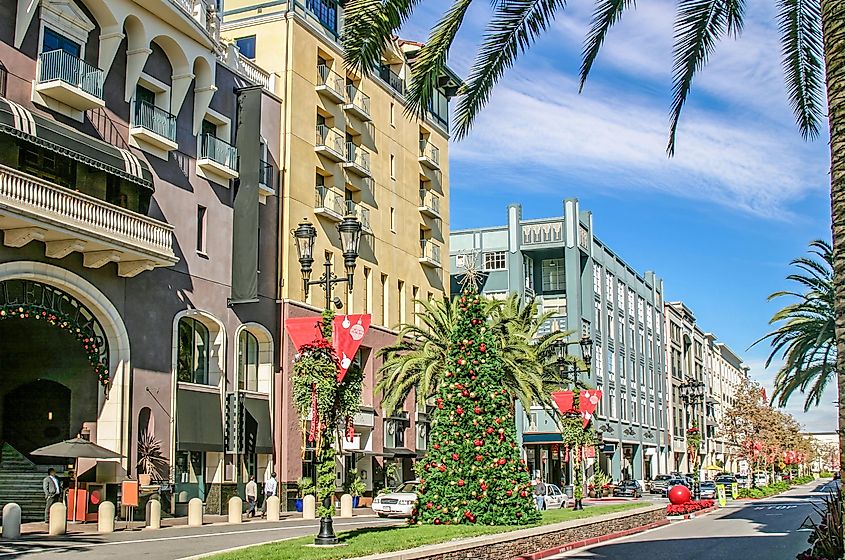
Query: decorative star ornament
x=473, y=275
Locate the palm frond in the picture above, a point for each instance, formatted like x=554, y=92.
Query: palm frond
x=698, y=26
x=368, y=27
x=799, y=22
x=514, y=27
x=605, y=16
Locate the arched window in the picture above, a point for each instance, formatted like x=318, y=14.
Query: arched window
x=247, y=361
x=192, y=366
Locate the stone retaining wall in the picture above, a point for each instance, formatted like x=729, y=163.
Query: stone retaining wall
x=509, y=545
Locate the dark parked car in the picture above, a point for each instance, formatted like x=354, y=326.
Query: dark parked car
x=629, y=488
x=658, y=485
x=728, y=480
x=676, y=482
x=708, y=490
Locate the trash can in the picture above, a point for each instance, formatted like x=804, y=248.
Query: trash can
x=569, y=490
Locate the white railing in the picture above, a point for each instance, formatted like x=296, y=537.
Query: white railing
x=430, y=200
x=329, y=199
x=429, y=151
x=359, y=211
x=57, y=204
x=429, y=251
x=254, y=72
x=357, y=98
x=330, y=138
x=59, y=65
x=218, y=150
x=330, y=79
x=204, y=14
x=359, y=155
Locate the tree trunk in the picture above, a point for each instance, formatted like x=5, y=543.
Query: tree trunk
x=833, y=26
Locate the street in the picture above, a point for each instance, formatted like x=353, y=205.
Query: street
x=172, y=543
x=766, y=530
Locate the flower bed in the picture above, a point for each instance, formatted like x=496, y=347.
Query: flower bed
x=764, y=491
x=689, y=507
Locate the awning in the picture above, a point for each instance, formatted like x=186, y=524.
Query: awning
x=259, y=411
x=399, y=452
x=22, y=123
x=199, y=421
x=542, y=438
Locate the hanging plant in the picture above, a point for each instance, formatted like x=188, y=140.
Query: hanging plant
x=89, y=343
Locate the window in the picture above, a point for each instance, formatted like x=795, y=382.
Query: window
x=495, y=260
x=623, y=410
x=247, y=46
x=209, y=128
x=598, y=314
x=415, y=296
x=392, y=114
x=385, y=301
x=325, y=11
x=392, y=166
x=553, y=275
x=192, y=359
x=54, y=41
x=47, y=165
x=202, y=217
x=247, y=362
x=422, y=435
x=368, y=290
x=4, y=78
x=612, y=401
x=597, y=279
x=392, y=218
x=145, y=95
x=400, y=290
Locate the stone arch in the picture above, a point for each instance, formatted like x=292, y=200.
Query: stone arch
x=204, y=88
x=113, y=406
x=265, y=356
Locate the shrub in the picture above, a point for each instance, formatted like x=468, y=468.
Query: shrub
x=826, y=474
x=689, y=507
x=826, y=536
x=802, y=480
x=763, y=491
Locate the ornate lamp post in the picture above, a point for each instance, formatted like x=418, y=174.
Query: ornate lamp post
x=350, y=236
x=569, y=370
x=692, y=393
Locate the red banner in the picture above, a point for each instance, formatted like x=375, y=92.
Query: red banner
x=588, y=402
x=303, y=330
x=565, y=401
x=348, y=332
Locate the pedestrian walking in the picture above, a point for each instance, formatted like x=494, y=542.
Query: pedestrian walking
x=539, y=493
x=52, y=492
x=270, y=487
x=251, y=495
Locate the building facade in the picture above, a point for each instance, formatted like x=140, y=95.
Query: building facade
x=349, y=147
x=130, y=207
x=592, y=292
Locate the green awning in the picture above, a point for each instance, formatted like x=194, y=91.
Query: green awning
x=199, y=421
x=259, y=412
x=40, y=130
x=542, y=438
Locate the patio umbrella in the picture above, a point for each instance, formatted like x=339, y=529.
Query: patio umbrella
x=712, y=468
x=76, y=449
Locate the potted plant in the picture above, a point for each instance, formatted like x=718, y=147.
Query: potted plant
x=354, y=486
x=591, y=490
x=151, y=463
x=305, y=486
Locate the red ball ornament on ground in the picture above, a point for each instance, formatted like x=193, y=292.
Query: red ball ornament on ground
x=679, y=494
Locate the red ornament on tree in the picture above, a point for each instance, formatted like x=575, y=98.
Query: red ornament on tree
x=460, y=410
x=477, y=410
x=455, y=456
x=461, y=482
x=478, y=443
x=482, y=347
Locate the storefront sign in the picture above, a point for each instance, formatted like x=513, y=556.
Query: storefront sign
x=608, y=448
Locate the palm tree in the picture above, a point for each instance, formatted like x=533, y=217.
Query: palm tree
x=417, y=360
x=805, y=339
x=813, y=51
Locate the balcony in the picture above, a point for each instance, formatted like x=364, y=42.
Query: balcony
x=357, y=103
x=429, y=204
x=429, y=253
x=154, y=126
x=330, y=143
x=69, y=80
x=429, y=155
x=68, y=221
x=218, y=157
x=266, y=178
x=329, y=204
x=359, y=211
x=392, y=79
x=330, y=84
x=357, y=159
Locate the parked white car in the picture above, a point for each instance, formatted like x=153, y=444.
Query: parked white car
x=398, y=503
x=555, y=498
x=761, y=479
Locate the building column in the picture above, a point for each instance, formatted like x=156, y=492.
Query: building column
x=616, y=463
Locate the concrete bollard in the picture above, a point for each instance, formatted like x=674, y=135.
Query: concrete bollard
x=309, y=507
x=11, y=521
x=195, y=513
x=58, y=519
x=236, y=510
x=273, y=508
x=105, y=517
x=346, y=505
x=154, y=520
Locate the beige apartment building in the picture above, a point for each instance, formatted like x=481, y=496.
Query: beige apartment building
x=348, y=147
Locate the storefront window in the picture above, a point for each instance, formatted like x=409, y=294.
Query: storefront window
x=192, y=366
x=247, y=362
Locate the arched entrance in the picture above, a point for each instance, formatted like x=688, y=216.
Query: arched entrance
x=36, y=414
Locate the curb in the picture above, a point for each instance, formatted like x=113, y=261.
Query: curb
x=591, y=541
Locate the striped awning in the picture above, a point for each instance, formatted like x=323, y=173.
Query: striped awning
x=20, y=122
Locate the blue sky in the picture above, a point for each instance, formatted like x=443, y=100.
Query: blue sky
x=719, y=222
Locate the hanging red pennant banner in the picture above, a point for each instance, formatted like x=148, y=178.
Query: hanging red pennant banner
x=303, y=330
x=348, y=332
x=587, y=403
x=565, y=401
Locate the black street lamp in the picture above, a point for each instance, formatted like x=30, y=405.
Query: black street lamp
x=692, y=393
x=350, y=236
x=569, y=370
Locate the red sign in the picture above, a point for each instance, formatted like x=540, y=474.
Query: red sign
x=565, y=401
x=588, y=402
x=303, y=330
x=348, y=332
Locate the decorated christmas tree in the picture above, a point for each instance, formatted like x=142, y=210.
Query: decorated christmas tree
x=473, y=472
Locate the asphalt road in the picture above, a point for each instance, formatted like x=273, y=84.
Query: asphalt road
x=747, y=530
x=171, y=543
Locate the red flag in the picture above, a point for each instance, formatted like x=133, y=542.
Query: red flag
x=588, y=402
x=763, y=393
x=565, y=401
x=303, y=330
x=348, y=332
